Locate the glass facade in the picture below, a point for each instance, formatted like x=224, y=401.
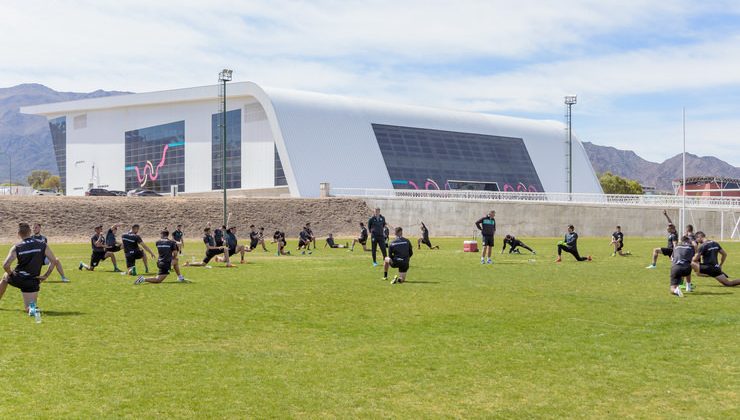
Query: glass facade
x=419, y=158
x=155, y=157
x=279, y=172
x=233, y=150
x=58, y=128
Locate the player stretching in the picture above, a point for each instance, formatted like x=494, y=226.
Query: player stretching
x=570, y=245
x=310, y=234
x=30, y=254
x=211, y=251
x=279, y=238
x=705, y=262
x=425, y=238
x=672, y=242
x=112, y=245
x=131, y=250
x=681, y=258
x=233, y=244
x=514, y=243
x=487, y=226
x=362, y=239
x=399, y=256
x=330, y=242
x=97, y=241
x=376, y=225
x=39, y=237
x=167, y=250
x=618, y=243
x=304, y=240
x=179, y=236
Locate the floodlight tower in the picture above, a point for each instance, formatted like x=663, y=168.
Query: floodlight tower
x=223, y=77
x=570, y=100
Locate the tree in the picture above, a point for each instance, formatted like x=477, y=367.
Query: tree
x=37, y=178
x=615, y=184
x=52, y=183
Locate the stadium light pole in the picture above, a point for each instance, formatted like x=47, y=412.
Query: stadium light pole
x=570, y=100
x=223, y=77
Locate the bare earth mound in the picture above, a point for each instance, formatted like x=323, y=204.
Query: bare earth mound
x=71, y=219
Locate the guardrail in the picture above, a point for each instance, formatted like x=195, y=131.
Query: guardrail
x=667, y=201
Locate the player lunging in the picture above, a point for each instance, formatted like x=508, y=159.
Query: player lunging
x=399, y=256
x=705, y=263
x=167, y=250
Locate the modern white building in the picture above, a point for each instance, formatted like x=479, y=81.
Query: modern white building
x=297, y=140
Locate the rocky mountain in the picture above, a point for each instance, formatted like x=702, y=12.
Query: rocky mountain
x=26, y=138
x=627, y=163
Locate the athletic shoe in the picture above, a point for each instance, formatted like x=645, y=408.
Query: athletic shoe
x=81, y=265
x=588, y=258
x=384, y=278
x=490, y=261
x=558, y=260
x=627, y=253
x=677, y=292
x=534, y=253
x=139, y=280
x=182, y=279
x=133, y=271
x=651, y=266
x=395, y=279
x=65, y=280
x=690, y=287
x=116, y=270
x=614, y=254
x=303, y=252
x=482, y=260
x=310, y=252
x=32, y=309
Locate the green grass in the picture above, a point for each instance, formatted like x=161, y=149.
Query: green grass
x=322, y=336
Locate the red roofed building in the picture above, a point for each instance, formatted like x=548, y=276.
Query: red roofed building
x=708, y=186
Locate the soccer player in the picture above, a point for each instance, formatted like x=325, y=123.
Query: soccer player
x=99, y=253
x=399, y=256
x=376, y=224
x=681, y=257
x=387, y=236
x=262, y=238
x=667, y=250
x=112, y=245
x=212, y=250
x=514, y=243
x=362, y=239
x=254, y=238
x=39, y=237
x=26, y=275
x=330, y=242
x=168, y=251
x=570, y=245
x=131, y=250
x=233, y=245
x=705, y=262
x=179, y=236
x=218, y=235
x=425, y=238
x=487, y=226
x=310, y=234
x=279, y=238
x=304, y=240
x=618, y=243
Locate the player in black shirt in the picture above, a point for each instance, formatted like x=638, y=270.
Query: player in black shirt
x=99, y=253
x=254, y=238
x=304, y=240
x=672, y=242
x=218, y=235
x=211, y=251
x=376, y=226
x=487, y=227
x=618, y=243
x=311, y=236
x=362, y=239
x=232, y=243
x=179, y=236
x=112, y=245
x=279, y=238
x=168, y=251
x=425, y=238
x=681, y=258
x=570, y=245
x=131, y=242
x=39, y=237
x=514, y=243
x=399, y=256
x=330, y=242
x=26, y=275
x=706, y=264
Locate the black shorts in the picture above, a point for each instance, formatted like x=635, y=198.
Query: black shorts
x=113, y=248
x=666, y=251
x=164, y=268
x=232, y=251
x=131, y=257
x=302, y=243
x=426, y=242
x=487, y=240
x=362, y=240
x=96, y=258
x=212, y=253
x=220, y=242
x=711, y=270
x=620, y=245
x=254, y=243
x=401, y=264
x=677, y=273
x=27, y=284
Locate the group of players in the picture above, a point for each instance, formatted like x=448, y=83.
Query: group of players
x=693, y=252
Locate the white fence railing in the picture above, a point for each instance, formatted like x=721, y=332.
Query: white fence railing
x=666, y=201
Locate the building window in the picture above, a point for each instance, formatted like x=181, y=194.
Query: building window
x=279, y=172
x=419, y=158
x=233, y=150
x=58, y=128
x=155, y=157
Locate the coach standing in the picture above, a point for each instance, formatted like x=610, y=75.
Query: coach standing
x=487, y=226
x=376, y=226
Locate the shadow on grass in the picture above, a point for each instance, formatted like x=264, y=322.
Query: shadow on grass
x=421, y=282
x=48, y=313
x=711, y=293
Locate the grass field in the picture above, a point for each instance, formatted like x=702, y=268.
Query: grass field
x=323, y=336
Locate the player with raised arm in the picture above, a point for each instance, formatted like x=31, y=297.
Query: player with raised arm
x=425, y=237
x=232, y=243
x=39, y=237
x=212, y=250
x=168, y=251
x=487, y=226
x=131, y=242
x=570, y=245
x=112, y=245
x=376, y=225
x=681, y=257
x=362, y=239
x=705, y=263
x=26, y=275
x=97, y=242
x=400, y=252
x=514, y=244
x=672, y=242
x=618, y=243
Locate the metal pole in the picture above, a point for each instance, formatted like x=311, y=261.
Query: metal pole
x=570, y=149
x=223, y=144
x=683, y=196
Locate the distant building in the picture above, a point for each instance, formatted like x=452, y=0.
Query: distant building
x=708, y=186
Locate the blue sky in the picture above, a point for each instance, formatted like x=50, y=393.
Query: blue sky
x=634, y=64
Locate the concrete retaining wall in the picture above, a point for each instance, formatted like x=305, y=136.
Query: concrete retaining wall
x=457, y=218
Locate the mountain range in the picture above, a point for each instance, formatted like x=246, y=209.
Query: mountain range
x=26, y=138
